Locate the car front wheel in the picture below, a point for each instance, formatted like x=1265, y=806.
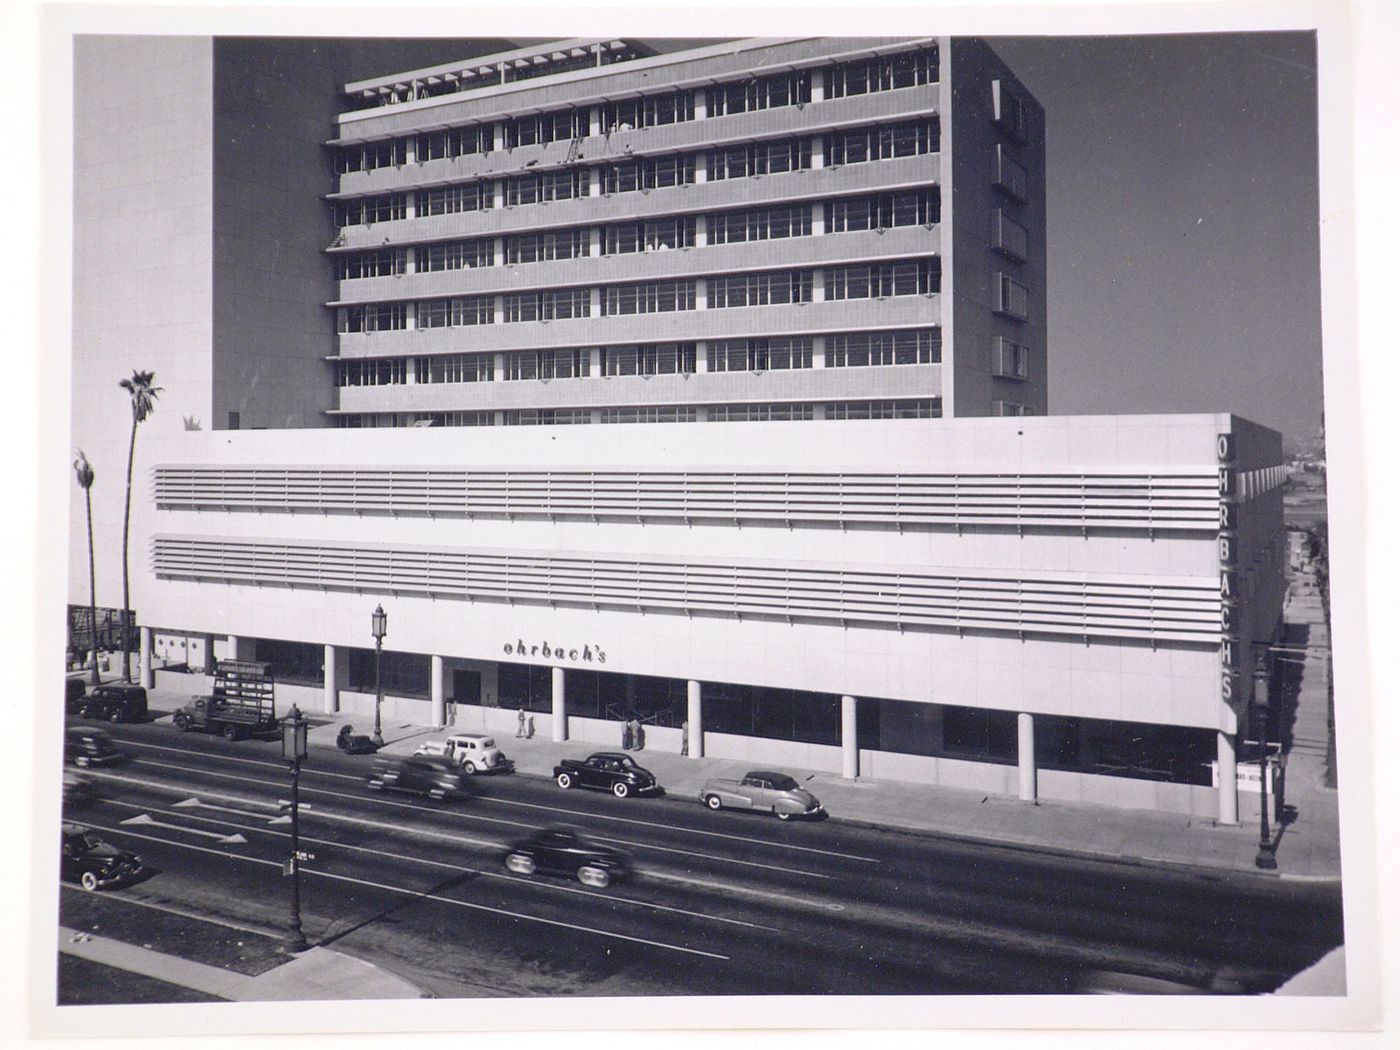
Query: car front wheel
x=713, y=802
x=592, y=875
x=564, y=781
x=782, y=814
x=230, y=732
x=115, y=717
x=182, y=723
x=89, y=881
x=470, y=767
x=621, y=790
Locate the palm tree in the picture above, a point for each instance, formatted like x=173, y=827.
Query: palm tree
x=143, y=403
x=83, y=469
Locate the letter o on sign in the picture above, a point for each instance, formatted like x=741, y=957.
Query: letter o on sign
x=1225, y=448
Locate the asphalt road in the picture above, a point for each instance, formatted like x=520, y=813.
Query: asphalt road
x=721, y=903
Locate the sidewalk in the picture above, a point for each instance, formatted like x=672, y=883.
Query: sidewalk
x=1308, y=846
x=317, y=974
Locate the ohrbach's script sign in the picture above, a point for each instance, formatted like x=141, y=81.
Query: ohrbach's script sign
x=586, y=654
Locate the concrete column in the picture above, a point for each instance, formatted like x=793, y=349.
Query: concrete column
x=818, y=218
x=702, y=356
x=498, y=193
x=595, y=242
x=818, y=82
x=498, y=251
x=1025, y=756
x=702, y=167
x=498, y=309
x=702, y=230
x=1229, y=803
x=702, y=294
x=148, y=667
x=850, y=753
x=818, y=351
x=411, y=321
x=410, y=205
x=595, y=182
x=595, y=302
x=701, y=108
x=240, y=648
x=331, y=682
x=595, y=120
x=595, y=362
x=437, y=691
x=498, y=136
x=819, y=285
x=559, y=718
x=410, y=259
x=818, y=151
x=208, y=666
x=695, y=720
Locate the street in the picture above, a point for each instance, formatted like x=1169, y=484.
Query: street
x=721, y=903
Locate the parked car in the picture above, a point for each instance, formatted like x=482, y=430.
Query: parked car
x=431, y=775
x=77, y=788
x=563, y=851
x=114, y=703
x=776, y=793
x=92, y=863
x=474, y=752
x=89, y=746
x=606, y=770
x=74, y=689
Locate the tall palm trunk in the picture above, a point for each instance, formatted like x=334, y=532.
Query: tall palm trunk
x=92, y=589
x=126, y=574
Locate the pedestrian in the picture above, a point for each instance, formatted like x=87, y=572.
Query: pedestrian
x=636, y=730
x=685, y=738
x=520, y=723
x=627, y=736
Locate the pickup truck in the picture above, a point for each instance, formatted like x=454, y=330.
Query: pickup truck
x=763, y=790
x=240, y=706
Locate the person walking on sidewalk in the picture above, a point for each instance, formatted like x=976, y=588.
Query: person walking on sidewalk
x=520, y=723
x=635, y=729
x=685, y=739
x=626, y=736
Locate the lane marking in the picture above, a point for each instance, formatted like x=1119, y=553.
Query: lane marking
x=467, y=816
x=544, y=885
x=535, y=805
x=421, y=895
x=725, y=887
x=147, y=819
x=195, y=803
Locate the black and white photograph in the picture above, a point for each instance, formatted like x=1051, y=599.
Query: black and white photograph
x=703, y=523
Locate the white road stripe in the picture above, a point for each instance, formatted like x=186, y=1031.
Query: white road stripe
x=419, y=894
x=746, y=890
x=471, y=817
x=767, y=843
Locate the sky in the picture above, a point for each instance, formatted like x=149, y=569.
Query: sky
x=1182, y=220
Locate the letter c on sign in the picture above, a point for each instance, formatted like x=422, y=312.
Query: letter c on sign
x=573, y=654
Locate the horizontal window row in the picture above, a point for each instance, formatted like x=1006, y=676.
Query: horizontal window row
x=877, y=211
x=852, y=146
x=845, y=350
x=901, y=408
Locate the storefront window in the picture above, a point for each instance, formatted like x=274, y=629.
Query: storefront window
x=403, y=674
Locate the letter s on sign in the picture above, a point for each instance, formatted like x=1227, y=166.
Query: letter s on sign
x=602, y=658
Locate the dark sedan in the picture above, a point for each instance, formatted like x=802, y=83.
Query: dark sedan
x=92, y=863
x=563, y=851
x=438, y=778
x=607, y=771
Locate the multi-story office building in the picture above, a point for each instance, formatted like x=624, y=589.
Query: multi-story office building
x=790, y=230
x=821, y=244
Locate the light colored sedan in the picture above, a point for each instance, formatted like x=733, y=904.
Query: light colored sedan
x=763, y=790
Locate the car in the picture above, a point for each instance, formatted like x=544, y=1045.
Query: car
x=77, y=788
x=353, y=743
x=475, y=752
x=74, y=689
x=607, y=771
x=432, y=775
x=92, y=863
x=114, y=703
x=762, y=789
x=563, y=851
x=86, y=746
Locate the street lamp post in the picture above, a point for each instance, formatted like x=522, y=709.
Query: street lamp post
x=379, y=626
x=293, y=751
x=1266, y=858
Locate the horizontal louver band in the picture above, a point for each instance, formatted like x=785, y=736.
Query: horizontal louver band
x=1151, y=608
x=1124, y=501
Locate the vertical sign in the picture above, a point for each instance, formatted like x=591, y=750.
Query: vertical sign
x=1227, y=546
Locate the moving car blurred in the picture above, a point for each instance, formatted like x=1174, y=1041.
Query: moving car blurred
x=77, y=788
x=88, y=746
x=762, y=789
x=432, y=775
x=564, y=851
x=606, y=770
x=92, y=863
